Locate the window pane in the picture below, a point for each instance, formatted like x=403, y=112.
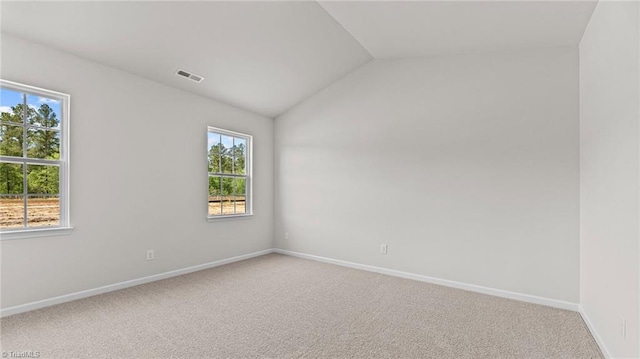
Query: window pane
x=11, y=178
x=241, y=204
x=43, y=144
x=227, y=141
x=215, y=198
x=227, y=186
x=46, y=111
x=43, y=179
x=11, y=106
x=227, y=162
x=214, y=186
x=213, y=142
x=227, y=195
x=215, y=208
x=12, y=212
x=240, y=152
x=240, y=185
x=227, y=205
x=227, y=154
x=11, y=140
x=43, y=211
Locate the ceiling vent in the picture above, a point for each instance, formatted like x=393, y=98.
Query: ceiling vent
x=190, y=76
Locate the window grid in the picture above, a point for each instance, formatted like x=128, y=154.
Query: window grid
x=228, y=179
x=25, y=161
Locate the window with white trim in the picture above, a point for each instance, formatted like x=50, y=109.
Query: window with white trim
x=229, y=171
x=34, y=159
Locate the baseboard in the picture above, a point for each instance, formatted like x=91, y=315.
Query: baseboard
x=448, y=283
x=594, y=333
x=126, y=284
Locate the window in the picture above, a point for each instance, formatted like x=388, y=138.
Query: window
x=229, y=169
x=34, y=161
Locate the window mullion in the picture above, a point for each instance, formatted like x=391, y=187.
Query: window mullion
x=226, y=175
x=25, y=189
x=44, y=162
x=35, y=127
x=233, y=171
x=24, y=125
x=24, y=194
x=33, y=161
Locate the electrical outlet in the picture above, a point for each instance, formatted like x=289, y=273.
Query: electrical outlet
x=623, y=327
x=383, y=248
x=150, y=255
x=286, y=236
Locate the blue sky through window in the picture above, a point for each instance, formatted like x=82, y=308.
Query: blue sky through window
x=10, y=98
x=213, y=139
x=227, y=141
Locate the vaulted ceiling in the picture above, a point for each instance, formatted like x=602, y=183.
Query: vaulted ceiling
x=413, y=28
x=268, y=56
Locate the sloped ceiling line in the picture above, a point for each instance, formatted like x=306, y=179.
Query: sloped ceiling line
x=267, y=57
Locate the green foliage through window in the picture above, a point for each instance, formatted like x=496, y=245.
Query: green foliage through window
x=228, y=174
x=30, y=144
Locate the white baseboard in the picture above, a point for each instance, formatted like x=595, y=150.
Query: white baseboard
x=448, y=283
x=126, y=284
x=594, y=333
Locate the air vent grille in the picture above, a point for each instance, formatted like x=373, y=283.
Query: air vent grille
x=190, y=76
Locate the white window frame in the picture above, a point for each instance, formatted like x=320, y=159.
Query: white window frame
x=64, y=226
x=248, y=175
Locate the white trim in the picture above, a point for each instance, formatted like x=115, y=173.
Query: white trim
x=122, y=285
x=35, y=90
x=447, y=283
x=229, y=132
x=35, y=232
x=230, y=216
x=594, y=333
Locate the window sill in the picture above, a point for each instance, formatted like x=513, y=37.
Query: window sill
x=231, y=216
x=32, y=233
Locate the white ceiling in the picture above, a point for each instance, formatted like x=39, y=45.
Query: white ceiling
x=268, y=56
x=411, y=29
x=261, y=56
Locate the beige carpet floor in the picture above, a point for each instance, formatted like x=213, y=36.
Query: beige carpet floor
x=278, y=306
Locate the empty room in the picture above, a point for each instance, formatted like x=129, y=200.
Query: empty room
x=320, y=179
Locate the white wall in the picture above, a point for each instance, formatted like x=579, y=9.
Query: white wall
x=138, y=180
x=466, y=166
x=609, y=181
